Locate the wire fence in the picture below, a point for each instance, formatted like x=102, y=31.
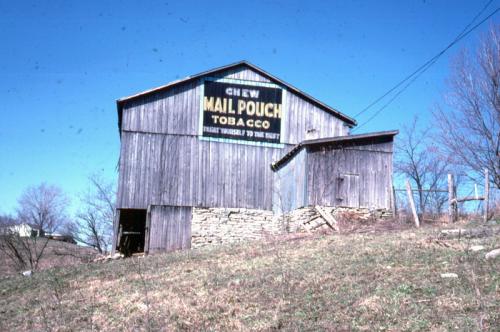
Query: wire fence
x=459, y=202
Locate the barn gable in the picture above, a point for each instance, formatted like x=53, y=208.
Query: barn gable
x=174, y=108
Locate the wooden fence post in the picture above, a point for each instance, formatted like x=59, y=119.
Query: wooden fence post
x=486, y=193
x=412, y=204
x=394, y=203
x=455, y=196
x=451, y=217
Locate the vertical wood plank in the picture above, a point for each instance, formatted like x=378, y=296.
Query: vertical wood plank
x=486, y=193
x=394, y=203
x=451, y=217
x=116, y=238
x=412, y=204
x=147, y=231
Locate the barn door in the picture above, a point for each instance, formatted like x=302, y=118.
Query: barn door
x=170, y=228
x=348, y=190
x=131, y=231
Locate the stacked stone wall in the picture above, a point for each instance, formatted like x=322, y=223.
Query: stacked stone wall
x=211, y=226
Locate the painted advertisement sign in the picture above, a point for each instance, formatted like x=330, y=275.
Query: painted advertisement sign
x=242, y=112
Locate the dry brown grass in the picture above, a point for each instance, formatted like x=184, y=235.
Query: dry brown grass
x=56, y=254
x=365, y=282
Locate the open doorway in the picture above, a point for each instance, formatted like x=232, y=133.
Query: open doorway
x=131, y=231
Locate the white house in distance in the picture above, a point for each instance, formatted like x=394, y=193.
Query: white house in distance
x=23, y=230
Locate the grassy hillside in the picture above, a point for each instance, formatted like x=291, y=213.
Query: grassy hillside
x=374, y=281
x=56, y=254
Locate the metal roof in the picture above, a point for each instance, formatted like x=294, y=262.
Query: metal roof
x=338, y=140
x=120, y=102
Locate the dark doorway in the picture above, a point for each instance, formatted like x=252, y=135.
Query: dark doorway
x=131, y=231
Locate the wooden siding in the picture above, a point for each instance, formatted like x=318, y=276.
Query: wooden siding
x=348, y=189
x=176, y=112
x=290, y=185
x=170, y=228
x=355, y=176
x=164, y=162
x=302, y=116
x=185, y=171
x=246, y=74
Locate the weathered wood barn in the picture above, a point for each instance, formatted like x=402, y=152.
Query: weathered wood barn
x=237, y=137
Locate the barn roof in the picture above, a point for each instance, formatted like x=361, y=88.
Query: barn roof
x=122, y=101
x=338, y=141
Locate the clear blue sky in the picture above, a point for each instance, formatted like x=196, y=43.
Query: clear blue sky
x=64, y=63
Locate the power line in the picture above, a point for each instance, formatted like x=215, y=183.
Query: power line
x=419, y=71
x=394, y=97
x=425, y=64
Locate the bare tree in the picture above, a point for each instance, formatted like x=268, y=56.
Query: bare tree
x=94, y=222
x=24, y=252
x=422, y=163
x=42, y=209
x=470, y=125
x=43, y=206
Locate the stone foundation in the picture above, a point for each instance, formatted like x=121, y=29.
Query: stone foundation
x=219, y=225
x=211, y=226
x=308, y=219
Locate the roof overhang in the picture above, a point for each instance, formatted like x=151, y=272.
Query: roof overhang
x=120, y=103
x=339, y=141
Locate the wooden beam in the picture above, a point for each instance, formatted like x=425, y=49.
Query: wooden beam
x=119, y=236
x=394, y=206
x=467, y=198
x=146, y=231
x=330, y=221
x=486, y=193
x=450, y=199
x=412, y=204
x=116, y=239
x=425, y=190
x=455, y=206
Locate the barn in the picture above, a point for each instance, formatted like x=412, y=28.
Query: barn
x=215, y=157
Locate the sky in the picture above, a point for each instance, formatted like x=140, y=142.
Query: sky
x=63, y=65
